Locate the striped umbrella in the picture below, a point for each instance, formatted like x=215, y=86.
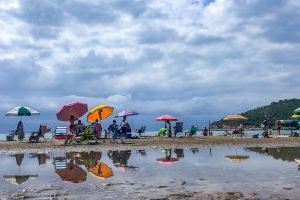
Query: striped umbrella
x=297, y=111
x=21, y=111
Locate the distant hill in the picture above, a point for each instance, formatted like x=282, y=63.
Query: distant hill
x=282, y=109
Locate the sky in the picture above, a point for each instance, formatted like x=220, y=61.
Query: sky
x=195, y=59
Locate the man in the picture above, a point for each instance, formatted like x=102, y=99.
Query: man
x=79, y=128
x=113, y=128
x=278, y=126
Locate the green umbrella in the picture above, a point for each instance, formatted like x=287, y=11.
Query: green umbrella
x=297, y=111
x=21, y=111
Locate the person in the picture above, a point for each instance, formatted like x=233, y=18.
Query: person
x=241, y=129
x=98, y=130
x=264, y=126
x=113, y=128
x=71, y=133
x=168, y=125
x=278, y=126
x=205, y=131
x=79, y=128
x=20, y=131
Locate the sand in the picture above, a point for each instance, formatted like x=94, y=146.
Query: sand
x=151, y=142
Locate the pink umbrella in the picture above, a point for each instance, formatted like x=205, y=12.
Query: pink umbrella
x=166, y=161
x=76, y=109
x=166, y=118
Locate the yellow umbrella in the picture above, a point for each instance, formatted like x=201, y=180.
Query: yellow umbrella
x=234, y=118
x=101, y=170
x=236, y=158
x=99, y=112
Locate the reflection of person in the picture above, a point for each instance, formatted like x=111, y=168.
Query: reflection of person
x=278, y=126
x=119, y=158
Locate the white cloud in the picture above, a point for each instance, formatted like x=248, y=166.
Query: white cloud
x=153, y=56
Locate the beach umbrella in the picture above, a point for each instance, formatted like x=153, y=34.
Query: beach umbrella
x=166, y=118
x=19, y=179
x=125, y=113
x=22, y=111
x=99, y=112
x=297, y=111
x=72, y=173
x=234, y=118
x=236, y=158
x=76, y=109
x=166, y=161
x=101, y=170
x=295, y=116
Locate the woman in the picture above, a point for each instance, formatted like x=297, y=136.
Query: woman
x=71, y=134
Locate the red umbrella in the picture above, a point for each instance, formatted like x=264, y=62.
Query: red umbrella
x=167, y=161
x=76, y=109
x=166, y=118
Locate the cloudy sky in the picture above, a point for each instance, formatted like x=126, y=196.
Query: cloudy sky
x=195, y=59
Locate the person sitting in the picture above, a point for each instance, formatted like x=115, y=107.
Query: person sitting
x=71, y=135
x=113, y=128
x=79, y=128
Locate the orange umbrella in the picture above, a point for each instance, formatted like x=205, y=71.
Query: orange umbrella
x=234, y=118
x=99, y=112
x=101, y=170
x=236, y=158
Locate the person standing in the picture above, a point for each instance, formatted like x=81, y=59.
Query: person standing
x=278, y=126
x=20, y=131
x=168, y=124
x=264, y=126
x=205, y=131
x=98, y=127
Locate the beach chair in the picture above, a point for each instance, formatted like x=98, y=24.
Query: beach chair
x=141, y=131
x=36, y=135
x=60, y=133
x=178, y=128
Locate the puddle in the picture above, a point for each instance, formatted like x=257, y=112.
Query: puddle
x=150, y=173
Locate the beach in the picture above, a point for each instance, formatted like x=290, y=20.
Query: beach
x=150, y=142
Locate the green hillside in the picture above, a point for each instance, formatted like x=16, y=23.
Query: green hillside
x=282, y=109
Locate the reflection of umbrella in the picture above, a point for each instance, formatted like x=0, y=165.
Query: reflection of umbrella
x=19, y=179
x=101, y=170
x=76, y=109
x=236, y=158
x=72, y=173
x=234, y=118
x=166, y=118
x=21, y=111
x=167, y=160
x=99, y=112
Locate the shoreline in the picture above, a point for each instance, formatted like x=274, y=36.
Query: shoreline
x=151, y=142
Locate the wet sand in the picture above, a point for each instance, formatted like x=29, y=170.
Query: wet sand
x=151, y=142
